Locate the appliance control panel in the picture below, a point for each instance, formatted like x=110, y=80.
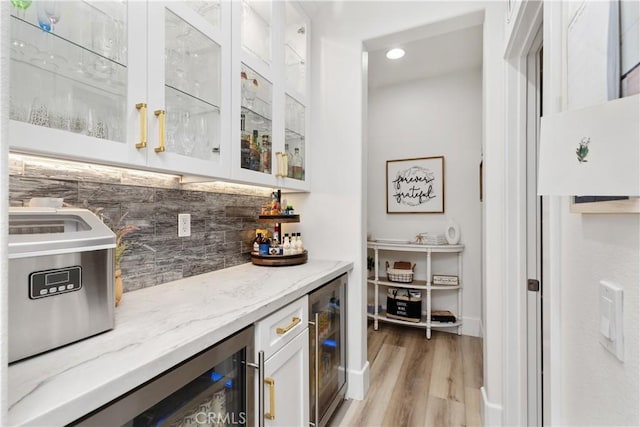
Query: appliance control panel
x=48, y=283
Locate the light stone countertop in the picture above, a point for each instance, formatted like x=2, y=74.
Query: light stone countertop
x=156, y=328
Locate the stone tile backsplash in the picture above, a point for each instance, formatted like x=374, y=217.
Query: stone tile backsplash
x=222, y=224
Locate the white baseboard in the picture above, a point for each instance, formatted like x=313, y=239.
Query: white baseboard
x=491, y=413
x=358, y=383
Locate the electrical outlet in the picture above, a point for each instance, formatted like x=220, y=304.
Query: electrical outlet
x=184, y=225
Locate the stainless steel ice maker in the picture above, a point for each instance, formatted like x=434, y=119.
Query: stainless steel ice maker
x=61, y=273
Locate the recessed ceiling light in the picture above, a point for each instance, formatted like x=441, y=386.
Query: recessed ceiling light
x=395, y=53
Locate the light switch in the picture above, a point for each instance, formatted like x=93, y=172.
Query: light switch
x=611, y=328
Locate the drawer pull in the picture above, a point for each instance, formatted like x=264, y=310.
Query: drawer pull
x=271, y=415
x=142, y=107
x=294, y=322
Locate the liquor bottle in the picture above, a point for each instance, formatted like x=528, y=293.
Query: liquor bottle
x=265, y=157
x=286, y=247
x=289, y=161
x=297, y=164
x=300, y=245
x=256, y=243
x=276, y=234
x=245, y=144
x=255, y=152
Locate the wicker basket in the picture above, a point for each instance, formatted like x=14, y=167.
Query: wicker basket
x=402, y=272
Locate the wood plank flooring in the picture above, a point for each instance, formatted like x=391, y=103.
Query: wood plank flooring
x=417, y=382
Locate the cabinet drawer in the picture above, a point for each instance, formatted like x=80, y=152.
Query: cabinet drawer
x=277, y=329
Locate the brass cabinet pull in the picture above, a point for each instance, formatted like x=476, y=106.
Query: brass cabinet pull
x=142, y=107
x=160, y=114
x=294, y=322
x=271, y=415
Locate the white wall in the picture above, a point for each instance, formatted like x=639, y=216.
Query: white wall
x=336, y=165
x=597, y=388
x=592, y=386
x=437, y=116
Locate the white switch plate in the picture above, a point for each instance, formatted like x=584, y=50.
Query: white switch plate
x=184, y=225
x=611, y=327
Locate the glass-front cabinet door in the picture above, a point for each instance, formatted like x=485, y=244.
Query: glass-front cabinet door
x=189, y=94
x=77, y=71
x=269, y=73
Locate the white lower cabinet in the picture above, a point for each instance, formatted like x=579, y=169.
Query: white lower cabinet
x=286, y=384
x=283, y=340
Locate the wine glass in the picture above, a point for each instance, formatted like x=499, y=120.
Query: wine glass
x=22, y=6
x=52, y=12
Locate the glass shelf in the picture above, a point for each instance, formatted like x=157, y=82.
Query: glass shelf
x=255, y=28
x=295, y=50
x=58, y=83
x=209, y=10
x=193, y=125
x=192, y=61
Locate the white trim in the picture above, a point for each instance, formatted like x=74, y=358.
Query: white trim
x=514, y=381
x=491, y=413
x=5, y=10
x=358, y=382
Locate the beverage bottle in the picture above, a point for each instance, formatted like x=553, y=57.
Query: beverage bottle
x=289, y=161
x=256, y=243
x=299, y=243
x=297, y=164
x=276, y=234
x=286, y=247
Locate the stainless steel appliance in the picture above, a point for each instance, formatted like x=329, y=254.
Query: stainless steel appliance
x=61, y=272
x=328, y=358
x=213, y=388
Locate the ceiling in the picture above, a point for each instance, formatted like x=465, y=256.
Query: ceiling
x=426, y=57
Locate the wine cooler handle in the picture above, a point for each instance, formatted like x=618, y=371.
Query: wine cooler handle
x=142, y=107
x=316, y=324
x=260, y=368
x=271, y=415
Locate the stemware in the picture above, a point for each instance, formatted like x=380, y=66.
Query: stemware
x=22, y=6
x=52, y=12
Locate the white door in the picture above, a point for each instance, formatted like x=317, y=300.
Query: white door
x=534, y=237
x=286, y=384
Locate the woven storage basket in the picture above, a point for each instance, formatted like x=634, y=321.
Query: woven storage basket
x=402, y=272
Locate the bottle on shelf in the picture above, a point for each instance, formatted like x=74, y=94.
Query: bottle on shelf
x=256, y=243
x=245, y=144
x=266, y=154
x=276, y=234
x=289, y=161
x=286, y=246
x=297, y=164
x=255, y=152
x=299, y=243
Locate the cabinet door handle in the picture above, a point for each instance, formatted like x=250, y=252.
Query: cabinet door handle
x=160, y=114
x=271, y=415
x=142, y=108
x=294, y=322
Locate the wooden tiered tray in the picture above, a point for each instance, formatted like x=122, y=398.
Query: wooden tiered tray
x=279, y=260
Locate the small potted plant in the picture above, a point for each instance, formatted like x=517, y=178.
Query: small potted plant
x=289, y=210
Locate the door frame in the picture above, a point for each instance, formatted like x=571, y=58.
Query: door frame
x=525, y=26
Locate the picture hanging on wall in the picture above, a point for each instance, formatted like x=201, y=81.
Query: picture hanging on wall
x=415, y=185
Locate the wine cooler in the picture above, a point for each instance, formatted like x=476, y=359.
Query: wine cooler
x=214, y=388
x=327, y=381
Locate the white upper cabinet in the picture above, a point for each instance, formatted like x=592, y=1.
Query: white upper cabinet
x=189, y=87
x=269, y=83
x=213, y=89
x=126, y=83
x=77, y=73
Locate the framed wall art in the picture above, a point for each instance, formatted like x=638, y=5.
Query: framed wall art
x=415, y=185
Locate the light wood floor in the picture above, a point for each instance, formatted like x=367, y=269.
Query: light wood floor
x=418, y=382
